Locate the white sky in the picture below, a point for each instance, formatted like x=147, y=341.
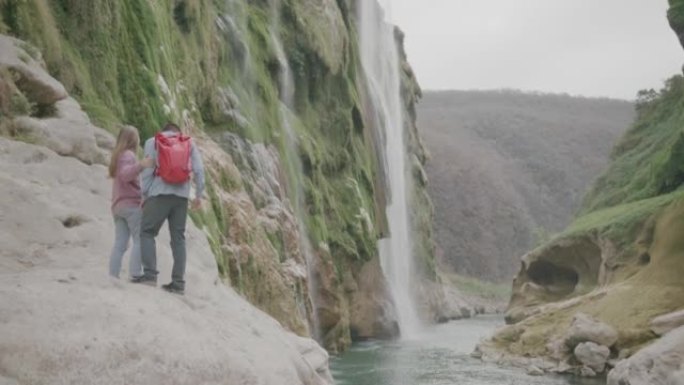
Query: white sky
x=582, y=47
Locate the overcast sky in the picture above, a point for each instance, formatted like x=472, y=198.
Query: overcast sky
x=581, y=47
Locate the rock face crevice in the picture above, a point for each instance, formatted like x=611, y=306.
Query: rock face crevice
x=559, y=271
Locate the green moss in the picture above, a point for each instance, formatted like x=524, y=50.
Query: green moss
x=144, y=62
x=649, y=159
x=20, y=105
x=620, y=223
x=276, y=240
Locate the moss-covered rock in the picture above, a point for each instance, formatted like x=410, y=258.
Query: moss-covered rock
x=621, y=261
x=280, y=175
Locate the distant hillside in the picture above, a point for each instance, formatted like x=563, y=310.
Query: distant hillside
x=507, y=169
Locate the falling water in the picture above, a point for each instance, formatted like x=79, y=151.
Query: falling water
x=380, y=62
x=286, y=89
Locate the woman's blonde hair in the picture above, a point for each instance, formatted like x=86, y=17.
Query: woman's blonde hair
x=128, y=139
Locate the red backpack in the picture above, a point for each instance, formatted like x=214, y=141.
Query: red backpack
x=173, y=158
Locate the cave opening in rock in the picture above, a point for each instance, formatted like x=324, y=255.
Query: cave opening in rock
x=557, y=279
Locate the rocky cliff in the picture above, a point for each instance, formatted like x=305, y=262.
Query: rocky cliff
x=63, y=320
x=612, y=280
x=275, y=95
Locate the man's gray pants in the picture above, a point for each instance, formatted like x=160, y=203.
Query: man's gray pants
x=156, y=210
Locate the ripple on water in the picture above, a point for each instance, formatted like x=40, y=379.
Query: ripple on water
x=439, y=357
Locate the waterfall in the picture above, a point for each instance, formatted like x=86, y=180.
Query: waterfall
x=380, y=62
x=286, y=89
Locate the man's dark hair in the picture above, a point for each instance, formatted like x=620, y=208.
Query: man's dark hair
x=171, y=127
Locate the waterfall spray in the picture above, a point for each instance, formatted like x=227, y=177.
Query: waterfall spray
x=380, y=62
x=286, y=88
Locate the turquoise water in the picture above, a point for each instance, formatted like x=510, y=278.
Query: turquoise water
x=439, y=356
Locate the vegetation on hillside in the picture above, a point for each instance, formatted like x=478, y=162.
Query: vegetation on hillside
x=649, y=160
x=509, y=169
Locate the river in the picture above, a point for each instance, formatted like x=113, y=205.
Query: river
x=440, y=356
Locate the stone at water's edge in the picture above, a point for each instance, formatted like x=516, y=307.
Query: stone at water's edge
x=587, y=329
x=661, y=363
x=592, y=355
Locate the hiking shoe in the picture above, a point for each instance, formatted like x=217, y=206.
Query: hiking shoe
x=174, y=288
x=145, y=280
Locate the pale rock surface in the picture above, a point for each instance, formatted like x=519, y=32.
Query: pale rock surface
x=69, y=133
x=667, y=322
x=587, y=372
x=65, y=322
x=592, y=356
x=586, y=329
x=67, y=130
x=32, y=80
x=661, y=363
x=455, y=305
x=534, y=371
x=371, y=314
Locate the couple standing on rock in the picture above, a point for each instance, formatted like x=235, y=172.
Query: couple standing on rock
x=147, y=193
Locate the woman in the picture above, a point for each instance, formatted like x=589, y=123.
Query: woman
x=124, y=169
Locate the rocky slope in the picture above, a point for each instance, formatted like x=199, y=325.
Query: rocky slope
x=63, y=321
x=619, y=265
x=276, y=97
x=509, y=168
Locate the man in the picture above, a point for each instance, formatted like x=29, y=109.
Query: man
x=164, y=201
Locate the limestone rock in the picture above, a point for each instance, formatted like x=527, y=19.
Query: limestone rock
x=587, y=372
x=660, y=363
x=534, y=371
x=592, y=356
x=32, y=79
x=563, y=368
x=322, y=22
x=444, y=302
x=558, y=350
x=586, y=329
x=668, y=322
x=252, y=198
x=373, y=315
x=69, y=133
x=558, y=271
x=68, y=323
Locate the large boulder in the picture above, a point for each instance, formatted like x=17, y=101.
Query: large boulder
x=592, y=356
x=57, y=121
x=29, y=69
x=586, y=329
x=69, y=133
x=661, y=363
x=67, y=322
